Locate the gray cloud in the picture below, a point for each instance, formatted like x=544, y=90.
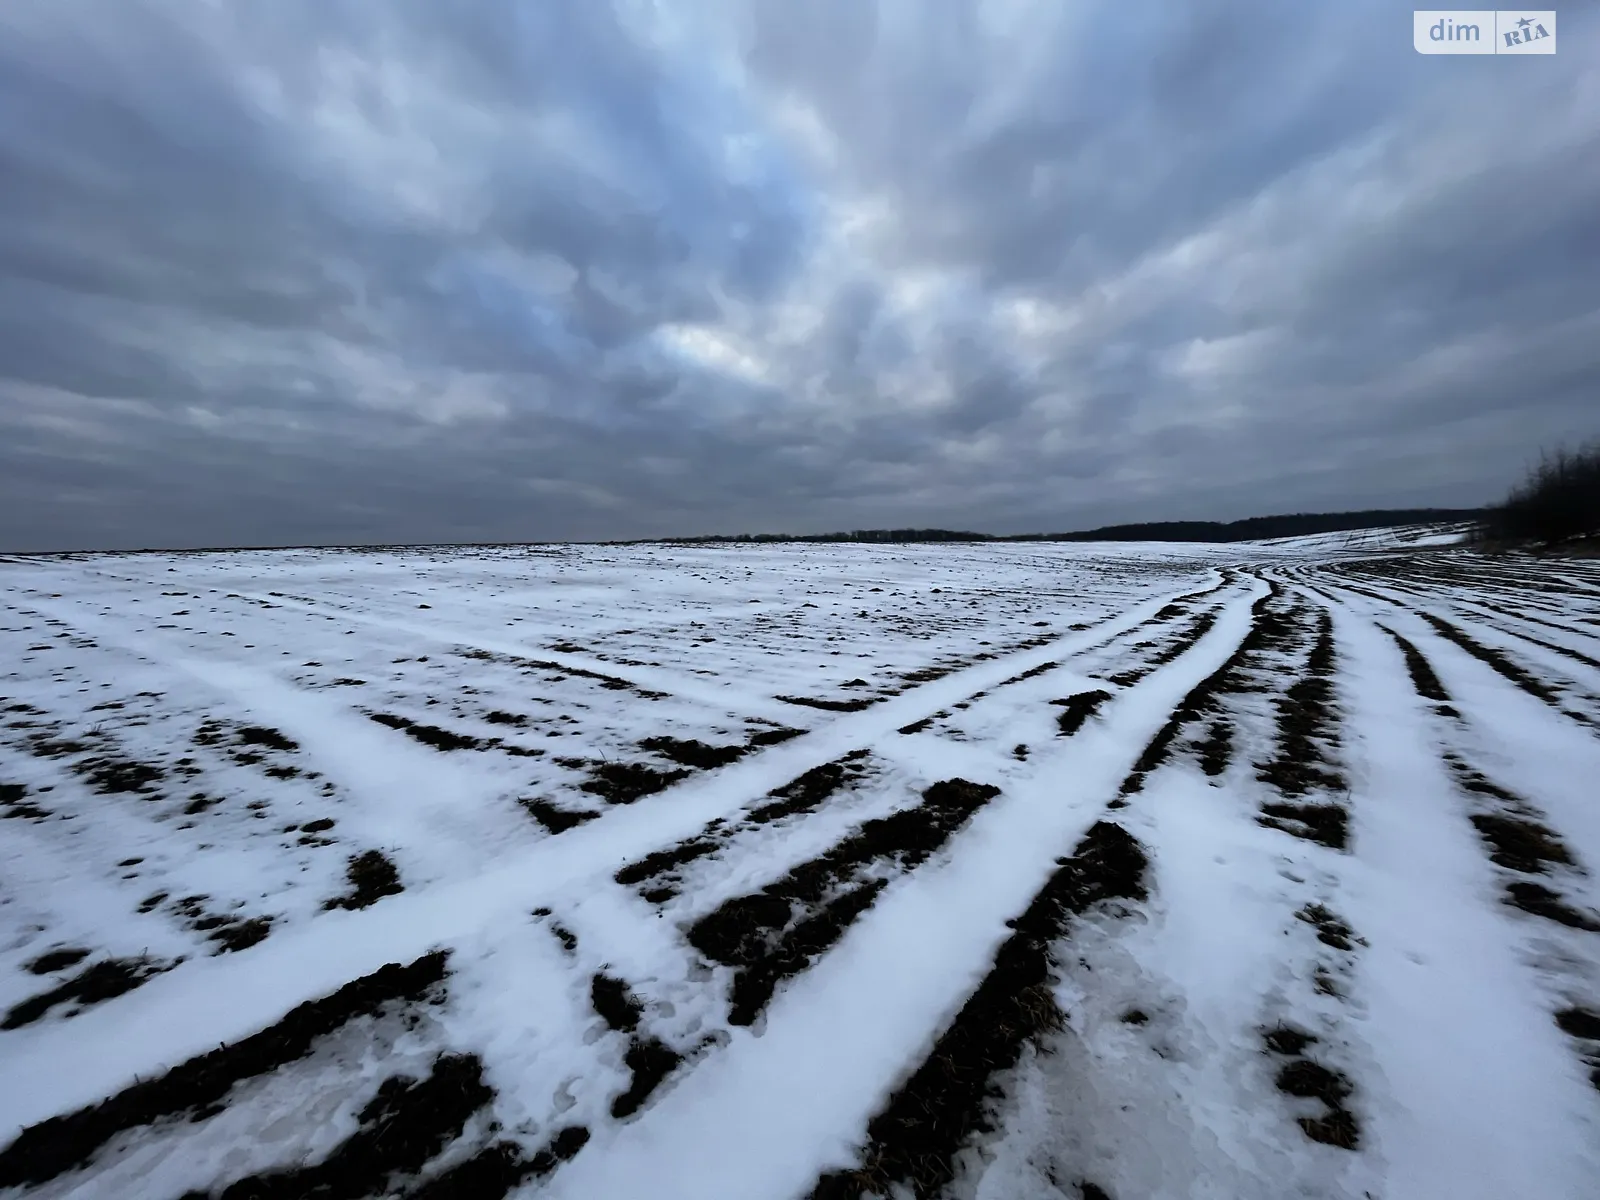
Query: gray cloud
x=343, y=270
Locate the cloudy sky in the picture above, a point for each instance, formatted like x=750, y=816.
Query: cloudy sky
x=290, y=271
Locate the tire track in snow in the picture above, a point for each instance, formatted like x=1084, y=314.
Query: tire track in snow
x=1449, y=583
x=1255, y=995
x=1507, y=667
x=1478, y=1097
x=845, y=1030
x=171, y=1017
x=1514, y=829
x=769, y=935
x=914, y=1139
x=1164, y=1085
x=1501, y=616
x=71, y=1141
x=1422, y=604
x=1516, y=738
x=1302, y=767
x=1485, y=615
x=733, y=699
x=1539, y=873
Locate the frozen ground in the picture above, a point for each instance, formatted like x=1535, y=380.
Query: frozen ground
x=750, y=873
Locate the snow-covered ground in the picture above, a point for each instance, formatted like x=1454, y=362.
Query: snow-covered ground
x=757, y=872
x=1396, y=537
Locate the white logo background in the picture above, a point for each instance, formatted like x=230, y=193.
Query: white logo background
x=1484, y=31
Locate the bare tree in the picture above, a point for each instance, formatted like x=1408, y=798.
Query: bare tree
x=1559, y=499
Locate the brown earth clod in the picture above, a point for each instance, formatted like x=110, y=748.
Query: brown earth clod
x=372, y=877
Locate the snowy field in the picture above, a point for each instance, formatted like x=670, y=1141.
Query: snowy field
x=762, y=872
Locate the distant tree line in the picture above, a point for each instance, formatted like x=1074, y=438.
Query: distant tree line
x=1291, y=525
x=1558, y=501
x=1256, y=528
x=853, y=535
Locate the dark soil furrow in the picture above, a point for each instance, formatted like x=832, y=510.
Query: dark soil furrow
x=1030, y=673
x=15, y=807
x=913, y=1141
x=52, y=961
x=1174, y=647
x=1566, y=651
x=1183, y=640
x=1077, y=709
x=101, y=981
x=1423, y=678
x=610, y=682
x=372, y=877
x=757, y=979
x=60, y=1144
x=1302, y=1077
x=661, y=862
x=1307, y=737
x=1504, y=667
x=1307, y=725
x=618, y=1007
x=658, y=871
x=625, y=782
x=405, y=1125
x=692, y=753
x=1582, y=1025
x=1326, y=824
x=853, y=705
x=771, y=737
x=261, y=735
x=429, y=735
x=1310, y=1080
x=1177, y=608
x=648, y=1059
x=113, y=775
x=1517, y=840
x=493, y=1172
x=806, y=792
x=775, y=933
x=1267, y=629
x=1215, y=750
x=1541, y=901
x=1345, y=583
x=1519, y=844
x=1332, y=929
x=553, y=818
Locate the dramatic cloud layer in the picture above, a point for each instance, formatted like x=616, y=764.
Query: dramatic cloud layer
x=337, y=270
